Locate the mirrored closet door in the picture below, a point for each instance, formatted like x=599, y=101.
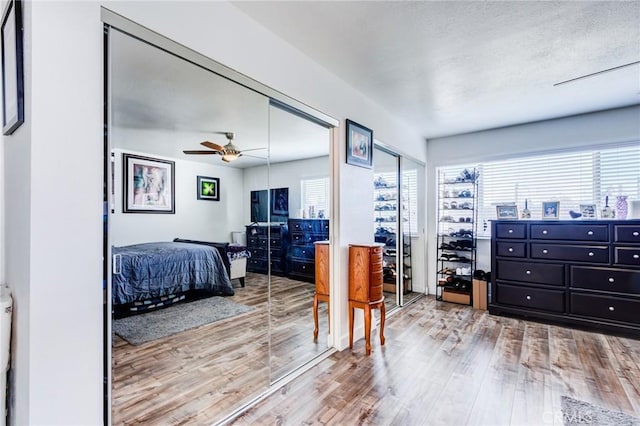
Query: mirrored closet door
x=218, y=195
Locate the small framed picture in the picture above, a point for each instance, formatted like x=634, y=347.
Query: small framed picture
x=507, y=212
x=12, y=67
x=208, y=188
x=359, y=145
x=149, y=185
x=550, y=209
x=588, y=211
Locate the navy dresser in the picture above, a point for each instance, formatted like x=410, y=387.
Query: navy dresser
x=303, y=233
x=581, y=272
x=267, y=243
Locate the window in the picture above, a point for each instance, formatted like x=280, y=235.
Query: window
x=410, y=198
x=315, y=194
x=572, y=178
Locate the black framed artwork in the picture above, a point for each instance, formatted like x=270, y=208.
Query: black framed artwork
x=12, y=67
x=359, y=145
x=149, y=185
x=208, y=188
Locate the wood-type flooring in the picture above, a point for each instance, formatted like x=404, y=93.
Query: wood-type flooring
x=447, y=364
x=199, y=376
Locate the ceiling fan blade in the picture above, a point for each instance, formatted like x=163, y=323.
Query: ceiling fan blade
x=255, y=156
x=212, y=145
x=200, y=152
x=251, y=149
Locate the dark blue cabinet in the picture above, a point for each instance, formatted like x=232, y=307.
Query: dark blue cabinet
x=303, y=233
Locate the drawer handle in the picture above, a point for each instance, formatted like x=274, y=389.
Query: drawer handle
x=304, y=266
x=510, y=249
x=528, y=297
x=611, y=280
x=611, y=308
x=636, y=256
x=590, y=253
x=590, y=233
x=545, y=232
x=510, y=231
x=545, y=251
x=304, y=252
x=636, y=233
x=528, y=272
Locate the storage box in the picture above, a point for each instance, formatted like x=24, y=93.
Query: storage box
x=479, y=294
x=456, y=296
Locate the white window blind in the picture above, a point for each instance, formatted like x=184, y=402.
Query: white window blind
x=315, y=192
x=410, y=198
x=572, y=178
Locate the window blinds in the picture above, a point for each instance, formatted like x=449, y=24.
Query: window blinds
x=572, y=178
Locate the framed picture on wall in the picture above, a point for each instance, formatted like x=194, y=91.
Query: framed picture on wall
x=359, y=145
x=149, y=185
x=208, y=188
x=12, y=71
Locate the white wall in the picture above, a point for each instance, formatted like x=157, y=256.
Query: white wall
x=605, y=127
x=193, y=218
x=284, y=175
x=53, y=179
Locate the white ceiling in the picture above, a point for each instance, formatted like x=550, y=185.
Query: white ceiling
x=455, y=67
x=162, y=105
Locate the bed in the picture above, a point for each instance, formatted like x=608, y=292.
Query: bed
x=154, y=274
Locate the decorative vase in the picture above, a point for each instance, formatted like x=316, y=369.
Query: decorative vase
x=621, y=207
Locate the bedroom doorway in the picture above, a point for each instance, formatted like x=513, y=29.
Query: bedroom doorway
x=164, y=362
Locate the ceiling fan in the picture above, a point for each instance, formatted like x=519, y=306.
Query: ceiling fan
x=229, y=152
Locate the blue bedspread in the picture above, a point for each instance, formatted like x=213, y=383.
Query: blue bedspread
x=151, y=270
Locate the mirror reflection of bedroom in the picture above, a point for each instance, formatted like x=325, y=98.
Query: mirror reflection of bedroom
x=213, y=249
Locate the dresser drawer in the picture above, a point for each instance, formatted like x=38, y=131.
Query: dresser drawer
x=299, y=238
x=300, y=225
x=606, y=307
x=579, y=253
x=511, y=249
x=627, y=233
x=605, y=279
x=529, y=297
x=511, y=230
x=301, y=267
x=539, y=273
x=302, y=252
x=627, y=256
x=570, y=232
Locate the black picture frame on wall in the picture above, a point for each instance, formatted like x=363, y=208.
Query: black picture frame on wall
x=208, y=188
x=149, y=185
x=359, y=145
x=12, y=67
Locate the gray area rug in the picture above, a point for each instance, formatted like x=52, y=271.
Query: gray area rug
x=576, y=412
x=142, y=328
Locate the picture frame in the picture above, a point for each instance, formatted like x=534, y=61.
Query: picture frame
x=550, y=209
x=148, y=185
x=208, y=188
x=280, y=202
x=359, y=145
x=509, y=211
x=11, y=40
x=589, y=211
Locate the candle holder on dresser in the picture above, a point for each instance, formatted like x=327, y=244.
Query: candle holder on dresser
x=365, y=288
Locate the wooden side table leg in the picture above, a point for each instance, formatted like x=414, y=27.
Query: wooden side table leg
x=383, y=315
x=315, y=317
x=350, y=326
x=367, y=328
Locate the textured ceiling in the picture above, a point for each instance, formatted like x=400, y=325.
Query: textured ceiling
x=454, y=67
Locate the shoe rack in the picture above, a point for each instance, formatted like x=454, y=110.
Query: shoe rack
x=457, y=218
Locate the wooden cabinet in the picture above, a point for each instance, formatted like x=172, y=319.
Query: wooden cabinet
x=576, y=272
x=268, y=246
x=304, y=233
x=365, y=287
x=322, y=281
